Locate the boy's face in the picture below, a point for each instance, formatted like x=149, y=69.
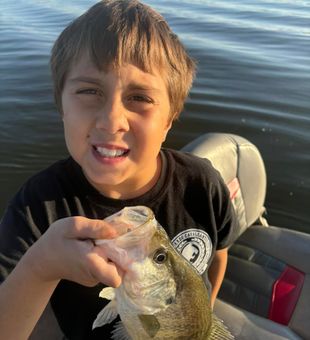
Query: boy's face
x=115, y=123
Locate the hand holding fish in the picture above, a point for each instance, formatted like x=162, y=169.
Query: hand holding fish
x=67, y=251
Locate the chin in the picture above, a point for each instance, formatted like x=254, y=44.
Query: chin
x=100, y=182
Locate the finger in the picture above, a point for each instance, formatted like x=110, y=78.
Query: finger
x=106, y=271
x=84, y=228
x=114, y=278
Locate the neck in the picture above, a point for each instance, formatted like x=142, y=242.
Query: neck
x=132, y=188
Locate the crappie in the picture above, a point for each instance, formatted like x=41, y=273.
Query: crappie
x=162, y=296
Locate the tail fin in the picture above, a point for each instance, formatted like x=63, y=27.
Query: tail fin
x=219, y=331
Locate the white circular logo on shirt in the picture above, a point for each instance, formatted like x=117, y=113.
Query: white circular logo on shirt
x=196, y=246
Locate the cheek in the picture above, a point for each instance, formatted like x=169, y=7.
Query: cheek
x=76, y=120
x=153, y=127
x=71, y=128
x=76, y=132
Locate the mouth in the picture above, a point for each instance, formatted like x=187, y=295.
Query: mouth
x=110, y=152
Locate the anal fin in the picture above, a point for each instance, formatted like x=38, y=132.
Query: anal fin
x=120, y=332
x=107, y=315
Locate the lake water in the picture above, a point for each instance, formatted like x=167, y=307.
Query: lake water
x=253, y=80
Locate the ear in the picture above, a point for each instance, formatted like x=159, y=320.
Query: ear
x=167, y=128
x=59, y=107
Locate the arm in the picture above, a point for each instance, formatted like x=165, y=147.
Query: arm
x=23, y=297
x=63, y=252
x=217, y=271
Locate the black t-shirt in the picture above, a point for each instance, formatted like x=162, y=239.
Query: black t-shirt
x=190, y=200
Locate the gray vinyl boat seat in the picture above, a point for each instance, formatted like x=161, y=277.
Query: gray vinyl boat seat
x=266, y=289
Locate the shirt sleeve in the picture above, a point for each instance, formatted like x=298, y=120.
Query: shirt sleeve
x=17, y=233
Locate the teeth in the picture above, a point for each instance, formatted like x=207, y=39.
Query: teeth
x=110, y=152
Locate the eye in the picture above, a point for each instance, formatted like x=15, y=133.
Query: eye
x=160, y=256
x=89, y=91
x=140, y=98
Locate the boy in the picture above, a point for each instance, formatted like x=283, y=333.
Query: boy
x=120, y=79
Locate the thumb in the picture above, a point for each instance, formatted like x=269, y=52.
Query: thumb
x=80, y=227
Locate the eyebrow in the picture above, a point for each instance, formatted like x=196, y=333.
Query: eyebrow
x=86, y=80
x=97, y=81
x=143, y=87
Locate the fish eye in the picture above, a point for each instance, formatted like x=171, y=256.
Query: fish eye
x=160, y=256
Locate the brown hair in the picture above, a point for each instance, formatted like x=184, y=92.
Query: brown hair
x=114, y=32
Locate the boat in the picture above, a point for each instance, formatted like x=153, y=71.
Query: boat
x=266, y=290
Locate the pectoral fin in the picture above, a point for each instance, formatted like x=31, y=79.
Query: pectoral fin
x=107, y=293
x=107, y=315
x=150, y=324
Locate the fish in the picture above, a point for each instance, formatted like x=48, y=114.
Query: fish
x=162, y=295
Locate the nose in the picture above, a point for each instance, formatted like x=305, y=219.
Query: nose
x=112, y=118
